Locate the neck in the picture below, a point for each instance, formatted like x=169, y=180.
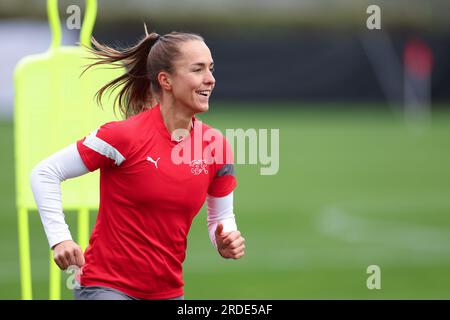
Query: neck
x=176, y=117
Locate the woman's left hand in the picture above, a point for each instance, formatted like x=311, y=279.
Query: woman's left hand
x=229, y=244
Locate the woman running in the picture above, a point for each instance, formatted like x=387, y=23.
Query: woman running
x=157, y=168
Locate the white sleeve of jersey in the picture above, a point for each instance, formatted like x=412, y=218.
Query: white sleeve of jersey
x=220, y=210
x=45, y=180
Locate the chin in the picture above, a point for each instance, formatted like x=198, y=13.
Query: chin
x=204, y=107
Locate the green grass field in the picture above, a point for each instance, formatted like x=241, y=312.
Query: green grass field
x=355, y=188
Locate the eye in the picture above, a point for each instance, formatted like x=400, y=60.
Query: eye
x=211, y=69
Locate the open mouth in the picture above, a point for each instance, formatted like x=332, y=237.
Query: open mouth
x=204, y=93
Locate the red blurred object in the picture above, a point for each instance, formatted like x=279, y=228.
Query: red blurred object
x=418, y=58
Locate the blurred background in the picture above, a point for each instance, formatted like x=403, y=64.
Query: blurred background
x=364, y=120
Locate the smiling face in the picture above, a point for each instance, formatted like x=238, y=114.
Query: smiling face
x=192, y=81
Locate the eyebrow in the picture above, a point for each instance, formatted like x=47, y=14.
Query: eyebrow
x=201, y=64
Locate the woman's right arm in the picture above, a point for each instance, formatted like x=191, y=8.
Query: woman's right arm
x=45, y=180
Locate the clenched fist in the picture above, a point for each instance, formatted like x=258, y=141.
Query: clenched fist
x=68, y=253
x=230, y=244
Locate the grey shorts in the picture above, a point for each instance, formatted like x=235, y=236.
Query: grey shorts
x=105, y=293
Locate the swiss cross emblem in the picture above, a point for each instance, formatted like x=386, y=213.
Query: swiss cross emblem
x=197, y=166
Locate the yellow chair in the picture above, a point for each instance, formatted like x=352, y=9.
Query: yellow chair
x=54, y=107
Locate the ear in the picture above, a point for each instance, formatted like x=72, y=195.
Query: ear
x=164, y=80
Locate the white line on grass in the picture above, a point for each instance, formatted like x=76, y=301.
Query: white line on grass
x=431, y=241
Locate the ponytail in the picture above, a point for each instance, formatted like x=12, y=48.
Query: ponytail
x=135, y=93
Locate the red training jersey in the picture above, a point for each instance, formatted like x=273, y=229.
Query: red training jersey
x=148, y=201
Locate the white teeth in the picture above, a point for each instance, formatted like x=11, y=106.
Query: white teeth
x=204, y=93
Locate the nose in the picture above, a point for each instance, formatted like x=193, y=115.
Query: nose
x=209, y=79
